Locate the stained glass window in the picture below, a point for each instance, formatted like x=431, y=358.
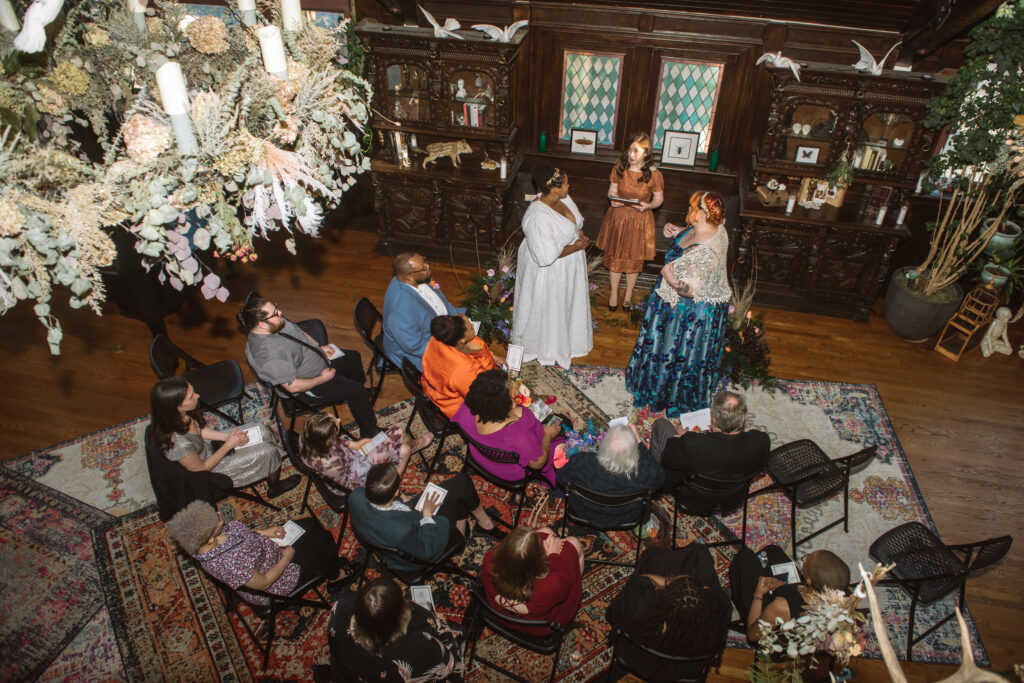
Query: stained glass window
x=590, y=94
x=687, y=99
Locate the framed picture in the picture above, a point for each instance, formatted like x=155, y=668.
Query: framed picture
x=679, y=147
x=807, y=155
x=583, y=141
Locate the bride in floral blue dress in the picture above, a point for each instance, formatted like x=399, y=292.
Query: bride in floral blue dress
x=677, y=360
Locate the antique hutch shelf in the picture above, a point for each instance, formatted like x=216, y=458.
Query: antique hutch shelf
x=834, y=259
x=447, y=91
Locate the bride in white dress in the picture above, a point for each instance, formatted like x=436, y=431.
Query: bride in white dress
x=551, y=318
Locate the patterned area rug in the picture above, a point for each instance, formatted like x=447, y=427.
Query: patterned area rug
x=842, y=419
x=163, y=619
x=48, y=579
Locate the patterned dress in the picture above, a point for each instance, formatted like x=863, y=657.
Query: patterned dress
x=245, y=465
x=243, y=552
x=347, y=467
x=627, y=236
x=677, y=359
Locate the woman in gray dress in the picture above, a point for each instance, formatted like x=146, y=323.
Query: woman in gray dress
x=177, y=426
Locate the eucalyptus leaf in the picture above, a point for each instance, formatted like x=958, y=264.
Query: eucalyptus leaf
x=75, y=302
x=80, y=286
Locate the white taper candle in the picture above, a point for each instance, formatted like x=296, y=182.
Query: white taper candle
x=272, y=47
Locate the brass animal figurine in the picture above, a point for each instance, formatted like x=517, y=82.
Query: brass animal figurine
x=452, y=150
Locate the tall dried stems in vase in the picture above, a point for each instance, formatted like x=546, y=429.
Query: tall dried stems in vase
x=956, y=239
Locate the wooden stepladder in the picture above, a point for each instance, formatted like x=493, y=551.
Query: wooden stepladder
x=975, y=312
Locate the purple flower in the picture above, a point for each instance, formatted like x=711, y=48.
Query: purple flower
x=732, y=309
x=592, y=286
x=504, y=269
x=490, y=272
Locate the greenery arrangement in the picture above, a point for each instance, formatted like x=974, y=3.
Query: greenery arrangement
x=268, y=151
x=489, y=298
x=982, y=109
x=841, y=174
x=746, y=357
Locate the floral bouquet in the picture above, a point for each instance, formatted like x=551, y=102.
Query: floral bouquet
x=745, y=355
x=583, y=441
x=489, y=298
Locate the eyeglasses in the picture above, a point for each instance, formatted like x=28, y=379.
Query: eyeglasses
x=426, y=266
x=276, y=313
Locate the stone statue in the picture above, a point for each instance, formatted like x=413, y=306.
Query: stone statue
x=996, y=339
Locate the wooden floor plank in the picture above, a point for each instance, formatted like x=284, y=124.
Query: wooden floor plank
x=960, y=424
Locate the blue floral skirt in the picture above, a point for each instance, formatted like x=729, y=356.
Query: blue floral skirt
x=677, y=359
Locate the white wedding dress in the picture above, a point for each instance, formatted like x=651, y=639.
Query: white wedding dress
x=551, y=319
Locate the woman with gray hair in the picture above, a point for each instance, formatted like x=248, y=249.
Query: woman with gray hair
x=242, y=557
x=622, y=464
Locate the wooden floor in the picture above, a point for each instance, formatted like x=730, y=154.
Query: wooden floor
x=961, y=424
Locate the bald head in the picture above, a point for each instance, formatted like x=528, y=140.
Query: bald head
x=411, y=268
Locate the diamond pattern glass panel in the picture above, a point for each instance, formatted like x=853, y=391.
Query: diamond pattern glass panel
x=687, y=99
x=590, y=94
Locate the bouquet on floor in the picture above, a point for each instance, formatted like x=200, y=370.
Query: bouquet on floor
x=194, y=133
x=746, y=357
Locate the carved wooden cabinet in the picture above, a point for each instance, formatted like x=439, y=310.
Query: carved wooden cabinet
x=457, y=93
x=834, y=258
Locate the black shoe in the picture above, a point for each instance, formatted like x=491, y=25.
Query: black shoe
x=613, y=308
x=283, y=486
x=337, y=585
x=627, y=306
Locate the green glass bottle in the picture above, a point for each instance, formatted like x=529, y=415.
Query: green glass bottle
x=713, y=162
x=542, y=142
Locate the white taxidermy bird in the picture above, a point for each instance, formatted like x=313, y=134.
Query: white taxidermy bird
x=445, y=31
x=868, y=63
x=33, y=25
x=778, y=61
x=502, y=35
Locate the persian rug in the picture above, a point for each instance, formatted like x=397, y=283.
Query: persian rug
x=164, y=619
x=842, y=419
x=48, y=579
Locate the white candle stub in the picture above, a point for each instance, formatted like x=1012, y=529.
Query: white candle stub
x=901, y=215
x=8, y=19
x=246, y=5
x=136, y=6
x=272, y=47
x=790, y=203
x=881, y=215
x=291, y=14
x=173, y=93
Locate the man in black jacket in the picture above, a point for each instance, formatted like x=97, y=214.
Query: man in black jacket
x=724, y=453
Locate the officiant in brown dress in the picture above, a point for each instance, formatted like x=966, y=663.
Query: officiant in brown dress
x=627, y=233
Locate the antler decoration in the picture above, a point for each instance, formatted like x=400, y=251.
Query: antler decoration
x=968, y=671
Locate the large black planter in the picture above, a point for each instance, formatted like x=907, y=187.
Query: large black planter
x=914, y=317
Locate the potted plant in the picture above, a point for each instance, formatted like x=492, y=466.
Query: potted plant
x=980, y=170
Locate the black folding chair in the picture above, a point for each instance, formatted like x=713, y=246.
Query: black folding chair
x=706, y=661
x=928, y=569
x=216, y=384
x=578, y=497
x=278, y=603
x=481, y=614
x=423, y=569
x=808, y=476
x=366, y=318
x=517, y=487
x=335, y=495
x=434, y=420
x=708, y=488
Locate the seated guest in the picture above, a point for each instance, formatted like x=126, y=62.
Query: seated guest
x=724, y=452
x=490, y=416
x=759, y=596
x=244, y=558
x=282, y=354
x=622, y=465
x=673, y=604
x=409, y=305
x=343, y=461
x=453, y=359
x=178, y=431
x=378, y=635
x=383, y=518
x=535, y=575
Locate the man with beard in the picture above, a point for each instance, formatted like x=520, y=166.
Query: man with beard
x=410, y=303
x=281, y=353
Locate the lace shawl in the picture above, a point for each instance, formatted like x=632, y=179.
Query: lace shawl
x=703, y=268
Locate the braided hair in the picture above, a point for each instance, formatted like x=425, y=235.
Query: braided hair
x=711, y=203
x=684, y=620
